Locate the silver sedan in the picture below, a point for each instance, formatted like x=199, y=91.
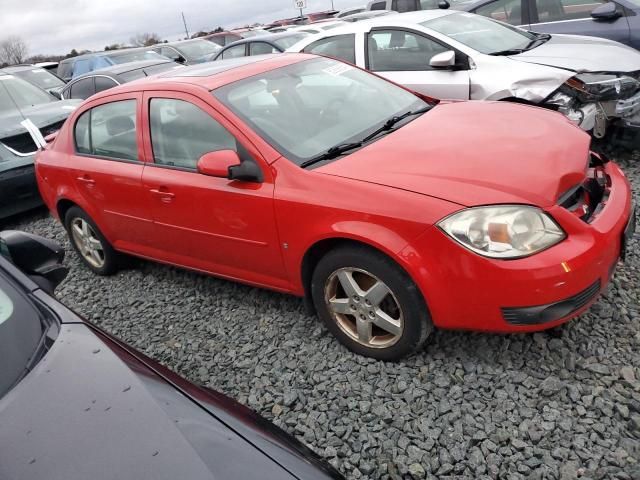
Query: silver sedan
x=457, y=55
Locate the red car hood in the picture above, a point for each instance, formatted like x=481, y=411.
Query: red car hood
x=476, y=153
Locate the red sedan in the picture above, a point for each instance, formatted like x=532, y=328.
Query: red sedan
x=389, y=212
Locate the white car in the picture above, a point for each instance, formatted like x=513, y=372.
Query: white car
x=449, y=54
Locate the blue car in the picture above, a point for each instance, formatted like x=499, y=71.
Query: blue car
x=617, y=20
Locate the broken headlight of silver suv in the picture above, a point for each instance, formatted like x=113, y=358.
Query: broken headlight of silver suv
x=593, y=100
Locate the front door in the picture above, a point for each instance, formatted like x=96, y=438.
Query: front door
x=403, y=56
x=213, y=224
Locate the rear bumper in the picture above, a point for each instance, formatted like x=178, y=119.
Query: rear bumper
x=18, y=190
x=467, y=291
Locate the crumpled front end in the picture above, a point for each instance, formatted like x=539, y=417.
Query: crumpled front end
x=597, y=101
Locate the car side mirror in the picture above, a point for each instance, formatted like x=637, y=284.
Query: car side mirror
x=218, y=164
x=181, y=59
x=39, y=258
x=444, y=4
x=56, y=93
x=443, y=60
x=606, y=11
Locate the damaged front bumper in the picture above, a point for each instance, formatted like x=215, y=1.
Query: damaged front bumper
x=596, y=115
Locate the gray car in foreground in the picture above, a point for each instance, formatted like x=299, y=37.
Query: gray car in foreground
x=19, y=101
x=449, y=54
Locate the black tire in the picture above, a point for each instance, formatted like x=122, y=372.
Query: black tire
x=417, y=324
x=112, y=259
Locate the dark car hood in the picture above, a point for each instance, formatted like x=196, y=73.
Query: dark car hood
x=41, y=115
x=91, y=410
x=476, y=153
x=583, y=54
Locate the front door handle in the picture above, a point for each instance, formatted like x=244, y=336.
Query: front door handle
x=164, y=195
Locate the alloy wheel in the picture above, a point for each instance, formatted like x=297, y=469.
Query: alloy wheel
x=364, y=307
x=87, y=242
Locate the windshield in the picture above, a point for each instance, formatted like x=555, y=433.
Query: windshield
x=309, y=107
x=40, y=78
x=16, y=93
x=480, y=33
x=289, y=41
x=198, y=48
x=136, y=56
x=21, y=328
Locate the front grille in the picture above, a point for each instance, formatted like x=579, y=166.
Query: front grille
x=522, y=316
x=586, y=200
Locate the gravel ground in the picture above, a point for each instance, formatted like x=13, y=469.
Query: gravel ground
x=559, y=405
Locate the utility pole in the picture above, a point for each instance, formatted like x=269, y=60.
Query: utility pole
x=185, y=25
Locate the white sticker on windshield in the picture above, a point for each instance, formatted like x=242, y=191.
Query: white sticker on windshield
x=68, y=107
x=6, y=307
x=38, y=70
x=338, y=69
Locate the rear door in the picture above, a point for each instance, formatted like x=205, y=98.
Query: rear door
x=574, y=17
x=106, y=168
x=213, y=224
x=403, y=56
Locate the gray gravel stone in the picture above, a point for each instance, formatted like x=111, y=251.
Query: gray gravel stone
x=559, y=405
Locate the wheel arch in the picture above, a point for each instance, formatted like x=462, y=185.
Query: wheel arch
x=321, y=247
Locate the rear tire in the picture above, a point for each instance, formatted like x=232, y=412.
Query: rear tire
x=370, y=303
x=90, y=244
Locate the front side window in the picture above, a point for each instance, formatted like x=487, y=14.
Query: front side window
x=234, y=52
x=509, y=11
x=135, y=56
x=22, y=327
x=198, y=48
x=480, y=33
x=182, y=132
x=562, y=10
x=379, y=6
x=108, y=130
x=82, y=89
x=17, y=93
x=169, y=53
x=342, y=47
x=306, y=108
x=399, y=50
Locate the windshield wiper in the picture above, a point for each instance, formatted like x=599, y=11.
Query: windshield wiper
x=42, y=347
x=338, y=150
x=536, y=42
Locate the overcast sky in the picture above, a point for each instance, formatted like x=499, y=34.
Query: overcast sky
x=57, y=26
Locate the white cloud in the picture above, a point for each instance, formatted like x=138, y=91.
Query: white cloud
x=57, y=26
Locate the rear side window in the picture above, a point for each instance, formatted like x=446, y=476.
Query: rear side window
x=402, y=6
x=341, y=47
x=182, y=132
x=379, y=6
x=104, y=83
x=82, y=89
x=108, y=131
x=234, y=52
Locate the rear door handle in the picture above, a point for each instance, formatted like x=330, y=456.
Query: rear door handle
x=87, y=180
x=165, y=196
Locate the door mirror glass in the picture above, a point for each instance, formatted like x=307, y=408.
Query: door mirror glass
x=443, y=4
x=216, y=164
x=443, y=60
x=607, y=11
x=37, y=257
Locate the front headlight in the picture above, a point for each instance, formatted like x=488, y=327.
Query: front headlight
x=504, y=231
x=591, y=87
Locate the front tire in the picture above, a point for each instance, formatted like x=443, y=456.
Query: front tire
x=89, y=242
x=370, y=303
